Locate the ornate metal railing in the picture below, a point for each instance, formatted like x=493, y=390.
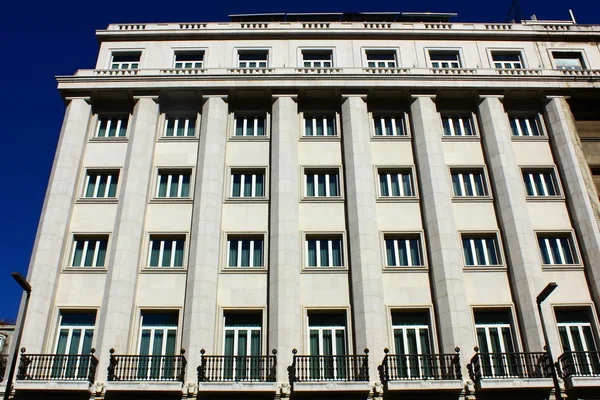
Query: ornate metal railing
x=3, y=366
x=36, y=367
x=237, y=368
x=329, y=368
x=400, y=367
x=509, y=365
x=146, y=368
x=579, y=363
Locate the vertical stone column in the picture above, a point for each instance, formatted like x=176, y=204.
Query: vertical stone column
x=203, y=270
x=115, y=318
x=577, y=184
x=285, y=317
x=446, y=259
x=520, y=242
x=46, y=260
x=363, y=232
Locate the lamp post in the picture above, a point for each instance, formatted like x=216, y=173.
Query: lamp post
x=539, y=300
x=27, y=288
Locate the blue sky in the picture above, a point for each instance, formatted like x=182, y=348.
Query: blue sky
x=42, y=39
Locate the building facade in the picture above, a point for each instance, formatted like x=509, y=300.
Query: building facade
x=322, y=206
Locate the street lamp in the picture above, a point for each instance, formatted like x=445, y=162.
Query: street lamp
x=539, y=299
x=27, y=288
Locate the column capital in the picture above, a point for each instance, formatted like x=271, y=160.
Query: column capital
x=215, y=96
x=87, y=99
x=552, y=97
x=491, y=96
x=347, y=96
x=293, y=96
x=152, y=97
x=417, y=96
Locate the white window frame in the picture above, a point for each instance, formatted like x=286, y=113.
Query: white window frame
x=582, y=58
x=165, y=238
x=405, y=237
x=189, y=51
x=507, y=64
x=315, y=172
x=329, y=237
x=380, y=119
x=462, y=119
x=320, y=118
x=330, y=328
x=511, y=325
x=171, y=174
x=237, y=330
x=556, y=235
x=527, y=117
x=466, y=178
x=70, y=328
x=306, y=58
x=417, y=329
x=389, y=172
x=111, y=174
x=251, y=172
x=87, y=238
x=120, y=64
x=246, y=118
x=472, y=237
x=528, y=174
x=257, y=51
x=186, y=119
x=458, y=52
x=243, y=236
x=375, y=51
x=111, y=119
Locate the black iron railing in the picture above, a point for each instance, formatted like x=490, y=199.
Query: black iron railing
x=329, y=368
x=579, y=363
x=146, y=368
x=400, y=367
x=509, y=365
x=237, y=368
x=3, y=364
x=37, y=367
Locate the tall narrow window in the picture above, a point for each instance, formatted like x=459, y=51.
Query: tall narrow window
x=324, y=251
x=250, y=125
x=180, y=126
x=189, y=59
x=457, y=125
x=125, y=60
x=173, y=184
x=481, y=250
x=158, y=337
x=411, y=341
x=89, y=252
x=495, y=339
x=381, y=59
x=540, y=183
x=317, y=59
x=327, y=340
x=166, y=251
x=577, y=338
x=557, y=249
x=389, y=125
x=525, y=125
x=242, y=346
x=444, y=59
x=101, y=184
x=321, y=183
x=245, y=251
x=467, y=183
x=403, y=251
x=247, y=184
x=319, y=125
x=396, y=183
x=112, y=127
x=75, y=334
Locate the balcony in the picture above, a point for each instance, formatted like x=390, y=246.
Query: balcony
x=511, y=370
x=421, y=372
x=3, y=366
x=329, y=373
x=580, y=369
x=237, y=373
x=56, y=372
x=152, y=373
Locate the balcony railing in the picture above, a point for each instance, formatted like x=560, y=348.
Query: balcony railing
x=3, y=365
x=509, y=365
x=237, y=368
x=36, y=367
x=579, y=363
x=146, y=368
x=400, y=367
x=329, y=368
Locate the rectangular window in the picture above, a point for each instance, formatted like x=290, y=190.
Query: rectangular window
x=125, y=60
x=317, y=59
x=242, y=346
x=250, y=125
x=189, y=59
x=481, y=250
x=173, y=184
x=327, y=339
x=527, y=125
x=247, y=184
x=89, y=252
x=321, y=183
x=389, y=126
x=411, y=339
x=321, y=125
x=507, y=59
x=166, y=251
x=540, y=183
x=467, y=183
x=75, y=334
x=403, y=251
x=495, y=340
x=568, y=60
x=444, y=59
x=396, y=183
x=381, y=59
x=158, y=337
x=112, y=127
x=457, y=125
x=557, y=248
x=101, y=184
x=243, y=251
x=180, y=126
x=324, y=251
x=253, y=58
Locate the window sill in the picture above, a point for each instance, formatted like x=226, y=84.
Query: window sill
x=322, y=199
x=244, y=270
x=247, y=200
x=396, y=270
x=97, y=200
x=561, y=267
x=174, y=200
x=391, y=138
x=334, y=138
x=164, y=270
x=398, y=199
x=84, y=270
x=472, y=199
x=543, y=138
x=472, y=138
x=485, y=268
x=264, y=138
x=178, y=139
x=324, y=270
x=109, y=139
x=545, y=199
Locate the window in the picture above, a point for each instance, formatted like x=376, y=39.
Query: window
x=468, y=183
x=457, y=125
x=327, y=339
x=112, y=127
x=396, y=183
x=125, y=60
x=180, y=126
x=89, y=252
x=253, y=58
x=321, y=125
x=557, y=248
x=317, y=59
x=381, y=59
x=444, y=59
x=540, y=183
x=250, y=125
x=389, y=126
x=247, y=184
x=481, y=250
x=324, y=251
x=403, y=251
x=158, y=337
x=101, y=184
x=528, y=125
x=495, y=339
x=173, y=184
x=186, y=60
x=75, y=334
x=412, y=339
x=244, y=251
x=166, y=251
x=568, y=60
x=507, y=59
x=319, y=183
x=577, y=338
x=242, y=346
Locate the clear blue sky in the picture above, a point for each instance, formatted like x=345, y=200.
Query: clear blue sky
x=41, y=39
